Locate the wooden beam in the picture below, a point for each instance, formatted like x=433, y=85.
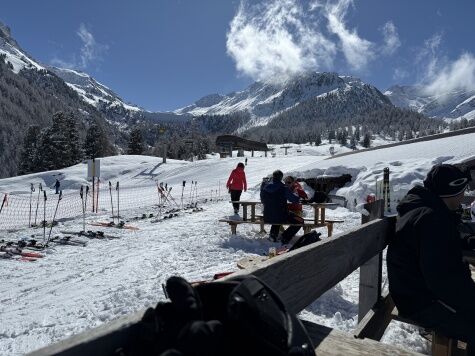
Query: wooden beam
x=376, y=320
x=334, y=342
x=103, y=340
x=303, y=275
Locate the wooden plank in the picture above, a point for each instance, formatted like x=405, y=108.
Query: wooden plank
x=334, y=342
x=103, y=340
x=371, y=271
x=374, y=323
x=370, y=284
x=303, y=275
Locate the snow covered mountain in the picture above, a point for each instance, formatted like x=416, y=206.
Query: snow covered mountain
x=264, y=101
x=94, y=93
x=455, y=104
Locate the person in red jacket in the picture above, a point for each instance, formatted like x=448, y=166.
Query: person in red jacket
x=236, y=184
x=297, y=189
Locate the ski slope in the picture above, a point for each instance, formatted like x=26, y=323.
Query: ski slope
x=77, y=288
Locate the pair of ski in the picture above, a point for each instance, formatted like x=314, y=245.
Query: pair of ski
x=88, y=234
x=165, y=217
x=26, y=244
x=18, y=251
x=120, y=225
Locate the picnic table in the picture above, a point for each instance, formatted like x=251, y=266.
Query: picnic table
x=318, y=209
x=318, y=220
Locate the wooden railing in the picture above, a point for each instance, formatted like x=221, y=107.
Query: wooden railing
x=299, y=277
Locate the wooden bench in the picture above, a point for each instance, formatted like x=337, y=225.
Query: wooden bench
x=307, y=226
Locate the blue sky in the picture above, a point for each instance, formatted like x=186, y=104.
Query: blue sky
x=165, y=54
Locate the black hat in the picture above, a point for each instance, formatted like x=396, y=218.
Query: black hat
x=446, y=180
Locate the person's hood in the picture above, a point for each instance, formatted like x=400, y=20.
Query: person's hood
x=419, y=197
x=273, y=186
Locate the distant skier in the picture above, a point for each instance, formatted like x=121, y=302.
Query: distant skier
x=236, y=184
x=245, y=161
x=57, y=185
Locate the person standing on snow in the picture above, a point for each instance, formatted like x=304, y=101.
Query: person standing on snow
x=236, y=184
x=57, y=185
x=428, y=280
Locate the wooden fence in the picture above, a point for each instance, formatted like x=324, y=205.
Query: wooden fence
x=299, y=277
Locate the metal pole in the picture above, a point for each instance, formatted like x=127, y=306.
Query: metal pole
x=112, y=205
x=54, y=216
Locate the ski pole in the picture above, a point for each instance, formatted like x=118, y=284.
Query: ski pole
x=196, y=193
x=112, y=205
x=54, y=215
x=118, y=202
x=85, y=198
x=81, y=194
x=40, y=188
x=97, y=195
x=44, y=216
x=3, y=202
x=182, y=190
x=190, y=201
x=169, y=196
x=32, y=189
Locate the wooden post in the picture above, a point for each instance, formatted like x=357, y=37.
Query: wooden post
x=164, y=153
x=371, y=271
x=252, y=153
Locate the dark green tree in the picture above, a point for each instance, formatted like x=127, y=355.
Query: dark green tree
x=318, y=140
x=366, y=140
x=96, y=143
x=28, y=162
x=136, y=146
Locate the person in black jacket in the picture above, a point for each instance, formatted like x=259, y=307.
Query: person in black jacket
x=428, y=280
x=274, y=196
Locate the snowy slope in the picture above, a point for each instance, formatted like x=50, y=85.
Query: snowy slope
x=77, y=288
x=14, y=53
x=456, y=104
x=93, y=92
x=265, y=100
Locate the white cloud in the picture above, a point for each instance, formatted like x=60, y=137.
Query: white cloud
x=90, y=51
x=391, y=38
x=357, y=51
x=274, y=41
x=455, y=75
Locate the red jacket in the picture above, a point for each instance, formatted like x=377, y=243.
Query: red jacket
x=237, y=180
x=297, y=189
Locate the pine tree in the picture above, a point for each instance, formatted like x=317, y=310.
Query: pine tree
x=353, y=143
x=59, y=144
x=318, y=140
x=96, y=143
x=366, y=140
x=29, y=156
x=135, y=146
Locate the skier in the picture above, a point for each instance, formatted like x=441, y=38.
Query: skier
x=57, y=185
x=245, y=161
x=428, y=280
x=236, y=184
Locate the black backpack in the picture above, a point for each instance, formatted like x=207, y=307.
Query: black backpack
x=306, y=239
x=237, y=317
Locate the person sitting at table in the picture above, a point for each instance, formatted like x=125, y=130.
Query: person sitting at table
x=274, y=197
x=297, y=189
x=428, y=280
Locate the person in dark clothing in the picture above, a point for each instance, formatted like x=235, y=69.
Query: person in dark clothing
x=274, y=196
x=428, y=280
x=236, y=184
x=57, y=185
